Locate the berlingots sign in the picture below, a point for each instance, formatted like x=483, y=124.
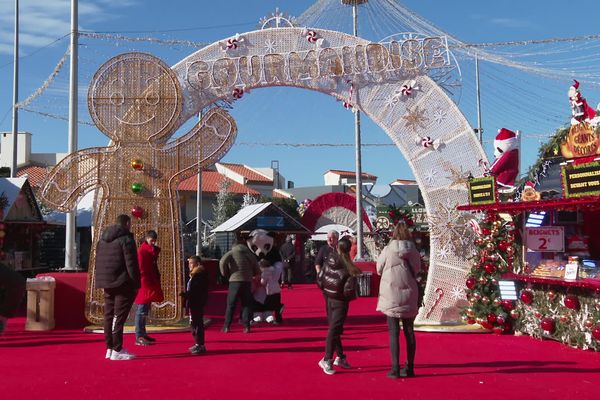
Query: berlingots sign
x=373, y=61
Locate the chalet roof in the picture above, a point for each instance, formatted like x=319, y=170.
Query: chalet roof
x=250, y=174
x=21, y=204
x=262, y=216
x=351, y=174
x=211, y=183
x=36, y=174
x=404, y=182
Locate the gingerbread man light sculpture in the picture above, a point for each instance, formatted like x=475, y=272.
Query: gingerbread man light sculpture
x=135, y=99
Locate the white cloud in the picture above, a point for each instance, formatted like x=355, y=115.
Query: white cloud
x=42, y=21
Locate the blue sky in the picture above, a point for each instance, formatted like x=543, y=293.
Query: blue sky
x=511, y=99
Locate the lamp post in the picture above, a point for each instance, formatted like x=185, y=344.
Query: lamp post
x=357, y=144
x=15, y=114
x=70, y=223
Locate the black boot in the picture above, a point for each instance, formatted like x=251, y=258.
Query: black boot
x=407, y=372
x=394, y=373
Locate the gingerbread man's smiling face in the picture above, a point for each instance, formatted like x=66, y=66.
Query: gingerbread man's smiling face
x=135, y=97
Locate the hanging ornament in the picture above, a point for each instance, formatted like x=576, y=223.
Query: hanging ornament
x=489, y=268
x=470, y=321
x=491, y=318
x=490, y=246
x=494, y=281
x=502, y=245
x=486, y=231
x=483, y=280
x=538, y=315
x=588, y=323
x=470, y=312
x=508, y=305
x=551, y=295
x=596, y=332
x=485, y=300
x=137, y=187
x=137, y=212
x=527, y=296
x=471, y=282
x=514, y=314
x=476, y=296
x=237, y=93
x=571, y=302
x=548, y=325
x=137, y=164
x=501, y=319
x=486, y=325
x=497, y=301
x=510, y=250
x=498, y=330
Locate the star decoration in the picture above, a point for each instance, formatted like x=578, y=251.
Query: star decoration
x=450, y=226
x=457, y=177
x=457, y=293
x=429, y=176
x=270, y=45
x=415, y=119
x=439, y=115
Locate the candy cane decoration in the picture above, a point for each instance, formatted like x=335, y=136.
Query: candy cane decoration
x=407, y=88
x=440, y=294
x=429, y=143
x=233, y=43
x=237, y=93
x=484, y=164
x=474, y=225
x=310, y=35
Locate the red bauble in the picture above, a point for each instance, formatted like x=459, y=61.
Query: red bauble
x=471, y=282
x=548, y=325
x=498, y=330
x=491, y=318
x=501, y=319
x=527, y=296
x=470, y=321
x=571, y=302
x=486, y=325
x=502, y=245
x=596, y=332
x=507, y=326
x=490, y=268
x=137, y=212
x=485, y=231
x=508, y=305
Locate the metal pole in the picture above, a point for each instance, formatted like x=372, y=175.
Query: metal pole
x=199, y=201
x=15, y=115
x=357, y=148
x=70, y=224
x=479, y=128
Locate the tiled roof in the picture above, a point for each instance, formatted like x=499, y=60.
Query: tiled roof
x=211, y=182
x=281, y=194
x=35, y=174
x=351, y=174
x=248, y=173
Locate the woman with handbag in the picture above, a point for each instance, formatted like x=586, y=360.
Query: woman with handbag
x=337, y=280
x=398, y=264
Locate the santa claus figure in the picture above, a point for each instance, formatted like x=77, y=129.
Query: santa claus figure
x=580, y=110
x=506, y=165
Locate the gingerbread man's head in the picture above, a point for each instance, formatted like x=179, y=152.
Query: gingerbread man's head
x=135, y=97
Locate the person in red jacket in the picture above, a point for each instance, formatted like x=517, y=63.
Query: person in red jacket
x=150, y=290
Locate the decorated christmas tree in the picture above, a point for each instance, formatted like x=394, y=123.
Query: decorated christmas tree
x=495, y=256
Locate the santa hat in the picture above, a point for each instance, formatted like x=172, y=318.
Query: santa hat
x=505, y=140
x=529, y=184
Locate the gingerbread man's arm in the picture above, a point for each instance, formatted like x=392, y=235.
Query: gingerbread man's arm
x=74, y=176
x=204, y=145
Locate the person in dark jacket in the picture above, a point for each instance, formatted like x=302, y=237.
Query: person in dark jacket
x=239, y=265
x=12, y=288
x=150, y=290
x=195, y=296
x=288, y=256
x=338, y=282
x=117, y=272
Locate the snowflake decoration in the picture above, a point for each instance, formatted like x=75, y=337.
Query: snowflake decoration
x=415, y=119
x=450, y=226
x=391, y=101
x=443, y=253
x=429, y=176
x=439, y=115
x=457, y=293
x=270, y=45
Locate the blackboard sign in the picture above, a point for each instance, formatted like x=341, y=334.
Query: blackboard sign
x=266, y=221
x=581, y=180
x=482, y=190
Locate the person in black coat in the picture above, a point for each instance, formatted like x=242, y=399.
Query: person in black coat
x=196, y=296
x=12, y=288
x=117, y=272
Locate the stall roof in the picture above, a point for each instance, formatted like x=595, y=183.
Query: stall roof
x=21, y=204
x=262, y=216
x=85, y=212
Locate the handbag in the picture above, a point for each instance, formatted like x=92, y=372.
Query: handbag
x=420, y=288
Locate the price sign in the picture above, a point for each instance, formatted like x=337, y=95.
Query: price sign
x=545, y=238
x=482, y=190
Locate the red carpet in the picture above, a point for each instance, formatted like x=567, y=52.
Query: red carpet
x=281, y=362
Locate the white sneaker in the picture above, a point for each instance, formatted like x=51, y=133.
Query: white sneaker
x=326, y=366
x=341, y=362
x=108, y=353
x=258, y=319
x=121, y=355
x=270, y=319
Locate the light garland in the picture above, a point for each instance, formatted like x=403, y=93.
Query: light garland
x=39, y=91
